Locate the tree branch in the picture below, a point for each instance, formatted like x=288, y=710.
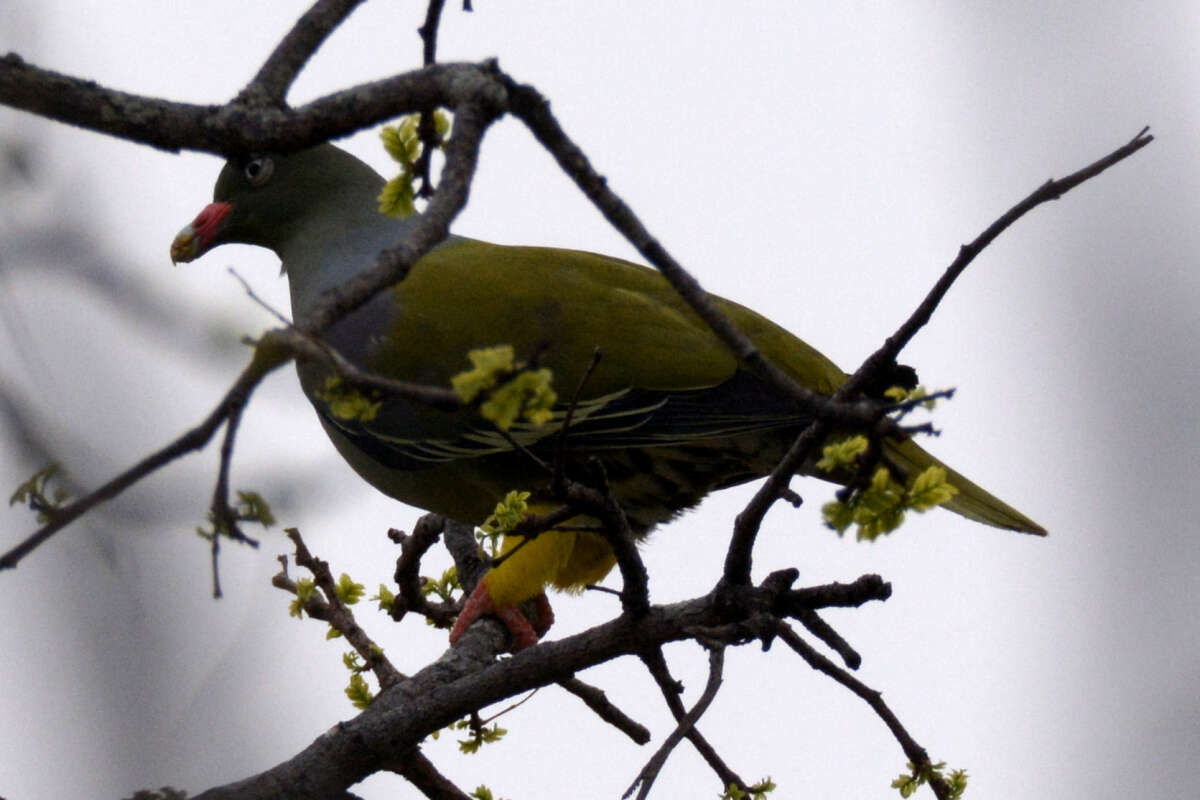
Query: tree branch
x=532, y=109
x=334, y=611
x=738, y=557
x=914, y=752
x=270, y=85
x=465, y=679
x=1050, y=190
x=716, y=666
x=422, y=774
x=195, y=439
x=236, y=127
x=656, y=663
x=598, y=701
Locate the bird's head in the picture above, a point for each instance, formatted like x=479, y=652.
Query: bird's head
x=265, y=199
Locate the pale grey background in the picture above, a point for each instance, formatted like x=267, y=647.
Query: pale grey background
x=821, y=167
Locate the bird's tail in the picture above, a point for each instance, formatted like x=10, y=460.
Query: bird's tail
x=972, y=501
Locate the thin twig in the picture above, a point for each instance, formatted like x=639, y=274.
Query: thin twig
x=913, y=751
x=671, y=688
x=223, y=517
x=738, y=557
x=716, y=666
x=338, y=614
x=426, y=129
x=635, y=580
x=598, y=701
x=302, y=344
x=560, y=452
x=1050, y=190
x=825, y=632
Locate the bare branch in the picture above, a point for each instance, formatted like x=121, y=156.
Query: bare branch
x=237, y=127
x=429, y=30
x=465, y=679
x=598, y=701
x=422, y=774
x=671, y=688
x=425, y=534
x=635, y=581
x=913, y=751
x=533, y=110
x=1050, y=190
x=825, y=632
x=276, y=75
x=716, y=666
x=738, y=558
x=305, y=345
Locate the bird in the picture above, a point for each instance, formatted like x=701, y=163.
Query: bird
x=647, y=393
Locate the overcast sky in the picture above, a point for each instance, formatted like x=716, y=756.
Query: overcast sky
x=819, y=166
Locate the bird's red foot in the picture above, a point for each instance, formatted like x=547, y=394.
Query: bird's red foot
x=479, y=604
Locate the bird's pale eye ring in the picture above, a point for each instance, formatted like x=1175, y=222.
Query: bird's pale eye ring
x=258, y=170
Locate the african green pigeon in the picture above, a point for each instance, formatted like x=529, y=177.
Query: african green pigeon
x=666, y=414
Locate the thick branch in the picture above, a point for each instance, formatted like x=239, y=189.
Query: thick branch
x=459, y=683
x=239, y=127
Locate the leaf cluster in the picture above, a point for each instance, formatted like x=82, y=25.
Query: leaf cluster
x=403, y=144
x=512, y=392
x=35, y=493
x=879, y=507
x=348, y=403
x=915, y=778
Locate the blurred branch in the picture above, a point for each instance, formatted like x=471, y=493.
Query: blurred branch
x=195, y=439
x=55, y=248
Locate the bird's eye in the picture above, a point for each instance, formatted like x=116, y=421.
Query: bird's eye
x=258, y=170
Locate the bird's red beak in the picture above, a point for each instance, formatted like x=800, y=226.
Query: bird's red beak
x=196, y=239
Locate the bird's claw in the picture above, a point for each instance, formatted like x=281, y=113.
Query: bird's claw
x=480, y=604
